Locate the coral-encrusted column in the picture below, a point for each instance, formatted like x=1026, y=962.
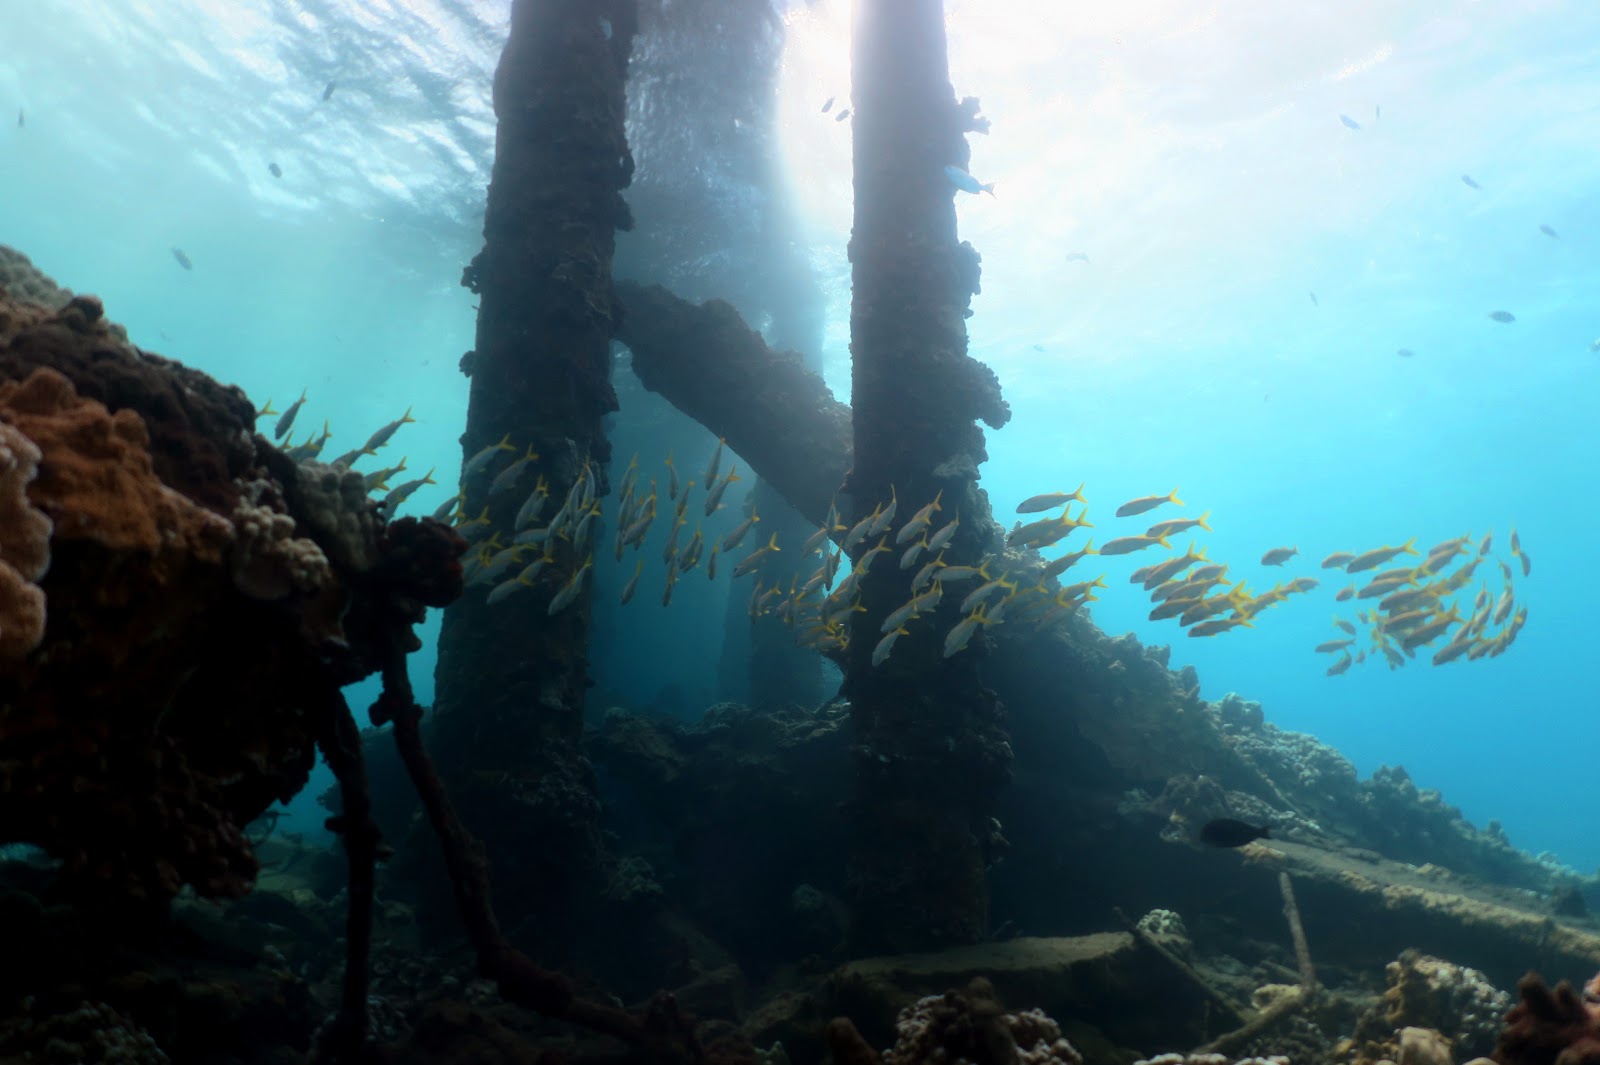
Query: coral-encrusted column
x=931, y=752
x=511, y=676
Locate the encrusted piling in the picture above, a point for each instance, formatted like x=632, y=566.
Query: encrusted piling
x=511, y=676
x=931, y=750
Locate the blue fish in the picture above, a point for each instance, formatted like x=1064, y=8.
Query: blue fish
x=964, y=181
x=1466, y=179
x=1349, y=123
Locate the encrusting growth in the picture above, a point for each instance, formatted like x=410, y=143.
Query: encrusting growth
x=24, y=548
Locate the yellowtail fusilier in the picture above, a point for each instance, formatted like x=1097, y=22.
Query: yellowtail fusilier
x=1144, y=503
x=286, y=420
x=485, y=457
x=919, y=521
x=1050, y=501
x=381, y=437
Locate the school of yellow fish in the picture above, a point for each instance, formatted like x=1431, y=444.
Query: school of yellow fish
x=1417, y=606
x=1421, y=607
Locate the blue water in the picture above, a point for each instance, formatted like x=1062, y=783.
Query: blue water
x=1196, y=157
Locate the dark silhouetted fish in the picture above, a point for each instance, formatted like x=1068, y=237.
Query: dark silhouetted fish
x=277, y=171
x=1505, y=317
x=1466, y=179
x=842, y=115
x=1349, y=123
x=1547, y=231
x=1226, y=832
x=1405, y=353
x=827, y=106
x=183, y=260
x=327, y=92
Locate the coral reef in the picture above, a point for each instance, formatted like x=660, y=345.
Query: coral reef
x=960, y=1026
x=24, y=547
x=193, y=620
x=1426, y=992
x=1551, y=1026
x=1210, y=1059
x=91, y=1031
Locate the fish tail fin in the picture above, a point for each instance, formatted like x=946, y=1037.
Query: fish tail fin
x=988, y=187
x=1172, y=497
x=1407, y=549
x=1202, y=521
x=1088, y=548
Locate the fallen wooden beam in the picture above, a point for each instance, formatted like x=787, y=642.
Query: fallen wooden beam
x=776, y=414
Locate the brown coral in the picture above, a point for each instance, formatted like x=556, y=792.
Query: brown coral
x=1550, y=1026
x=96, y=480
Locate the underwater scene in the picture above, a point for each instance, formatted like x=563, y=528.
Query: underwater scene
x=793, y=531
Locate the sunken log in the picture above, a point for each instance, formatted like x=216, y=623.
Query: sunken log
x=776, y=414
x=931, y=753
x=511, y=677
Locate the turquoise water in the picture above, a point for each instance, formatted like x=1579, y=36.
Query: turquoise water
x=1196, y=157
